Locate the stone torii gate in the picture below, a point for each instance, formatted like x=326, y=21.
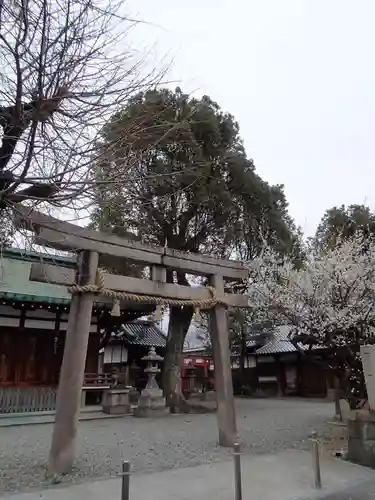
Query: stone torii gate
x=85, y=286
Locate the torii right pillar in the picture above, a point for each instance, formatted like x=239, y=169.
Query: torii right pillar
x=223, y=372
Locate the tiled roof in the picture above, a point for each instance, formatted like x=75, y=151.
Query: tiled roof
x=236, y=349
x=143, y=333
x=277, y=346
x=195, y=350
x=280, y=343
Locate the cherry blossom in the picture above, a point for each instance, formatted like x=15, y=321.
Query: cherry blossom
x=329, y=301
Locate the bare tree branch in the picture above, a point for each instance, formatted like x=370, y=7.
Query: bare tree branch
x=66, y=68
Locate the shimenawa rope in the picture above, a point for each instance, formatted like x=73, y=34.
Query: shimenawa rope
x=99, y=289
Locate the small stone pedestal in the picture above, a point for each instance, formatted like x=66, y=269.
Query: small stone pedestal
x=116, y=401
x=361, y=437
x=151, y=402
x=209, y=396
x=203, y=396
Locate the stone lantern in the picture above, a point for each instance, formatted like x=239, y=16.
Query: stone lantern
x=151, y=402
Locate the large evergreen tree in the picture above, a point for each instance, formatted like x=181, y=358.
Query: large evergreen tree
x=188, y=184
x=341, y=223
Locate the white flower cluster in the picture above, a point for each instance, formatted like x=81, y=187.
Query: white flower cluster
x=330, y=299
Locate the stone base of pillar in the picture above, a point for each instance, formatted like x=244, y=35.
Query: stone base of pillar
x=208, y=396
x=134, y=396
x=331, y=395
x=116, y=402
x=151, y=404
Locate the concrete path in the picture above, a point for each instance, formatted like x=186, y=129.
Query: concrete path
x=284, y=476
x=363, y=491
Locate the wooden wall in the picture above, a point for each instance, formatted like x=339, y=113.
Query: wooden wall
x=312, y=378
x=32, y=344
x=28, y=357
x=32, y=357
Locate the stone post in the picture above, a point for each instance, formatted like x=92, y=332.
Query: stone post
x=68, y=403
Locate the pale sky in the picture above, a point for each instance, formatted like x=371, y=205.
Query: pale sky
x=298, y=75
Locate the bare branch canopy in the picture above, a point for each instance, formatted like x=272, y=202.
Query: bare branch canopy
x=66, y=67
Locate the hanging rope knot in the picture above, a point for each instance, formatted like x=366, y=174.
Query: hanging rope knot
x=99, y=289
x=100, y=279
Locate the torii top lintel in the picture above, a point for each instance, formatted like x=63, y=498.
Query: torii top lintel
x=66, y=236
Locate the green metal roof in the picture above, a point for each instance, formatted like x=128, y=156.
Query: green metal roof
x=31, y=256
x=15, y=267
x=21, y=297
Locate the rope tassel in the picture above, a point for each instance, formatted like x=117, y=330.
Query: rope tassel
x=116, y=310
x=197, y=317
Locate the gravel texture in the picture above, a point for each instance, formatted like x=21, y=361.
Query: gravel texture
x=265, y=426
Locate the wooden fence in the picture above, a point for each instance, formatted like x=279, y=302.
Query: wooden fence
x=31, y=399
x=27, y=399
x=98, y=380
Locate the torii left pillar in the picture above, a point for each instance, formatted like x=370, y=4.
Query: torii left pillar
x=72, y=372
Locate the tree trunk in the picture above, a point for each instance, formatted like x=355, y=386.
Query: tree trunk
x=242, y=358
x=336, y=384
x=179, y=323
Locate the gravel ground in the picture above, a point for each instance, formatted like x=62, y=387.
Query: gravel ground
x=265, y=426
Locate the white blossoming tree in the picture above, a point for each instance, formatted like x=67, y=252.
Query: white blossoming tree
x=329, y=301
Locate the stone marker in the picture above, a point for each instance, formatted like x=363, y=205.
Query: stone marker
x=368, y=362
